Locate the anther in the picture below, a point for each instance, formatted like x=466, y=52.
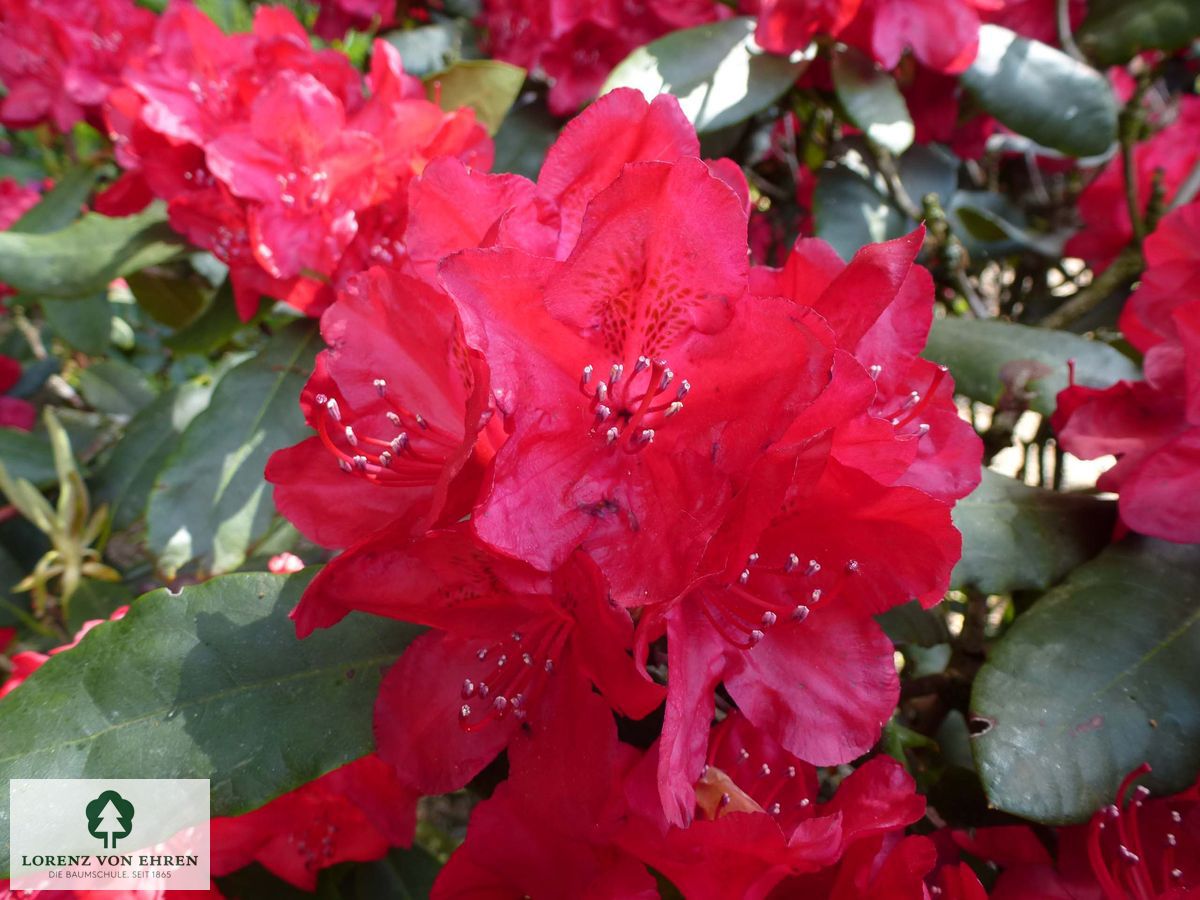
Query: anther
x=776, y=809
x=674, y=409
x=744, y=577
x=615, y=373
x=1177, y=874
x=815, y=596
x=385, y=459
x=468, y=688
x=755, y=637
x=612, y=434
x=484, y=690
x=805, y=803
x=667, y=377
x=791, y=771
x=1128, y=855
x=481, y=654
x=586, y=378
x=345, y=466
x=852, y=566
x=421, y=421
x=764, y=770
x=602, y=413
x=335, y=411
x=399, y=442
x=464, y=711
x=501, y=660
x=744, y=754
x=393, y=418
x=923, y=429
x=360, y=463
x=768, y=619
x=527, y=658
x=642, y=364
x=549, y=666
x=516, y=636
x=874, y=371
x=647, y=435
x=380, y=386
x=602, y=392
x=800, y=613
x=813, y=567
x=792, y=561
x=500, y=704
x=684, y=387
x=751, y=559
x=351, y=437
x=1171, y=840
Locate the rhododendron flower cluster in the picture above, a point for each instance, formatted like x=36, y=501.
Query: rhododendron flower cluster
x=275, y=156
x=1152, y=426
x=591, y=414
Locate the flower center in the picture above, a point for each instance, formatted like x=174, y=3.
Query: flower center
x=904, y=415
x=631, y=408
x=391, y=446
x=511, y=674
x=1117, y=854
x=761, y=595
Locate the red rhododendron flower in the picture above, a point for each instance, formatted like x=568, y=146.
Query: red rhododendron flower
x=942, y=34
x=355, y=813
x=1152, y=426
x=336, y=17
x=506, y=633
x=1036, y=19
x=1103, y=208
x=575, y=45
x=1139, y=847
x=29, y=661
x=60, y=58
x=758, y=818
x=551, y=829
x=14, y=412
x=631, y=417
x=398, y=405
x=788, y=25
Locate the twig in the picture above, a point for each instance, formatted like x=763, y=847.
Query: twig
x=1063, y=15
x=1124, y=268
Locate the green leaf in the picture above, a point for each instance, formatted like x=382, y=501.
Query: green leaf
x=210, y=502
x=991, y=359
x=61, y=205
x=212, y=328
x=872, y=100
x=85, y=323
x=1097, y=678
x=81, y=259
x=429, y=48
x=1017, y=537
x=1042, y=93
x=523, y=139
x=171, y=300
x=851, y=211
x=208, y=683
x=401, y=875
x=27, y=455
x=127, y=477
x=910, y=624
x=720, y=75
x=231, y=15
x=1115, y=31
x=115, y=387
x=488, y=86
x=989, y=224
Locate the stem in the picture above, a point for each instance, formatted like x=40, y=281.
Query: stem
x=1063, y=17
x=1124, y=268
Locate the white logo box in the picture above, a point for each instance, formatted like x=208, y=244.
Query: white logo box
x=139, y=834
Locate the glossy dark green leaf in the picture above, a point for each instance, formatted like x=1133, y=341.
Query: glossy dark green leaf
x=208, y=683
x=872, y=100
x=82, y=258
x=27, y=455
x=61, y=205
x=212, y=328
x=523, y=139
x=720, y=75
x=850, y=211
x=910, y=624
x=429, y=48
x=1097, y=678
x=168, y=299
x=1042, y=93
x=1115, y=31
x=488, y=86
x=1017, y=537
x=84, y=323
x=115, y=387
x=210, y=501
x=126, y=479
x=991, y=358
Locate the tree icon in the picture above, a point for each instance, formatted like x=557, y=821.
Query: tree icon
x=110, y=816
